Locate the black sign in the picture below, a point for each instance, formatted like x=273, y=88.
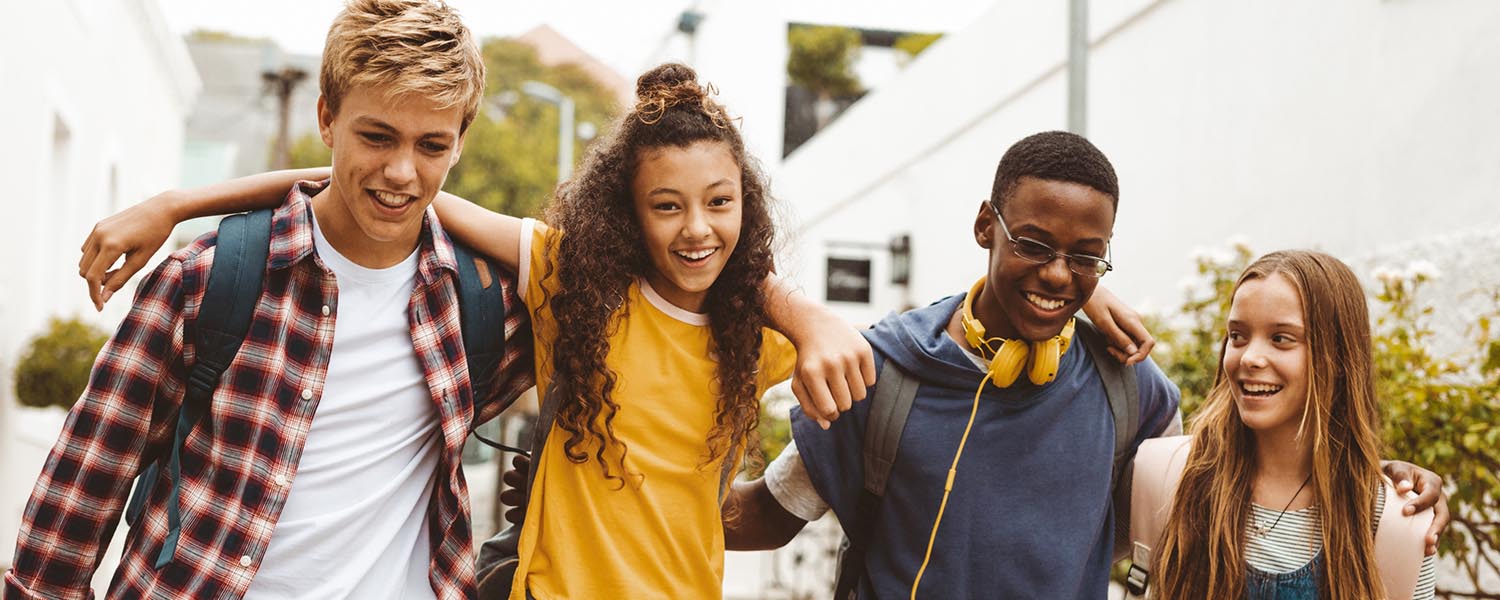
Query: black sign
x=848, y=280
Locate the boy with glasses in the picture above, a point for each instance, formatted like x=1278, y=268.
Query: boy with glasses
x=1002, y=486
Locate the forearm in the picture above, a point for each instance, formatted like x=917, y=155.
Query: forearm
x=262, y=190
x=487, y=232
x=789, y=309
x=754, y=520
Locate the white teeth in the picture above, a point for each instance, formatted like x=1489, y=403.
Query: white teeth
x=393, y=200
x=1045, y=303
x=1260, y=388
x=697, y=254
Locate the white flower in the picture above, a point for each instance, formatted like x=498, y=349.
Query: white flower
x=1201, y=253
x=1240, y=242
x=1387, y=274
x=1420, y=270
x=1223, y=259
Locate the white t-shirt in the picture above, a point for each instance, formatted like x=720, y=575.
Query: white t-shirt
x=355, y=522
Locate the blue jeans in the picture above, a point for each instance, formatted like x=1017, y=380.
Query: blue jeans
x=1301, y=584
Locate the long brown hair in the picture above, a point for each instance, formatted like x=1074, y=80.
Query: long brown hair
x=602, y=253
x=1201, y=554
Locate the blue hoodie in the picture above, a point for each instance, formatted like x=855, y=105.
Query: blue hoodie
x=1029, y=515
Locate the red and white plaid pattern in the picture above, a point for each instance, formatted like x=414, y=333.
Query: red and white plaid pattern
x=238, y=462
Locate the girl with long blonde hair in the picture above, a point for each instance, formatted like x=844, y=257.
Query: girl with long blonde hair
x=1282, y=487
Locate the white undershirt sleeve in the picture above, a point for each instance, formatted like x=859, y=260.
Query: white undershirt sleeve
x=790, y=484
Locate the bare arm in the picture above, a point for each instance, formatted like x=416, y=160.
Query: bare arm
x=487, y=232
x=1122, y=326
x=834, y=362
x=754, y=520
x=139, y=231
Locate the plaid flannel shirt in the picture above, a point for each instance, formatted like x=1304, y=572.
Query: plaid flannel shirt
x=238, y=462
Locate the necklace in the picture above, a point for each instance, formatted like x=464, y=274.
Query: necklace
x=1262, y=530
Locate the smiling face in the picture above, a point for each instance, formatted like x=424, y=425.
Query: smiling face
x=688, y=203
x=1029, y=301
x=390, y=157
x=1266, y=353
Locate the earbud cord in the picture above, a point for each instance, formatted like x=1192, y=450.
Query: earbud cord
x=948, y=486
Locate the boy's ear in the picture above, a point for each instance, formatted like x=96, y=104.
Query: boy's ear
x=458, y=149
x=984, y=226
x=325, y=122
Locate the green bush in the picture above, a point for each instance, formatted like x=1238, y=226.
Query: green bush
x=1441, y=412
x=55, y=368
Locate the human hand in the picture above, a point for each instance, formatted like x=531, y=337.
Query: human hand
x=135, y=233
x=1122, y=327
x=1429, y=488
x=513, y=497
x=835, y=366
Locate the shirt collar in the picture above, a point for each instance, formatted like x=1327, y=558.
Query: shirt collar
x=292, y=238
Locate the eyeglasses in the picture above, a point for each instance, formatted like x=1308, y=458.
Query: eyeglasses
x=1033, y=251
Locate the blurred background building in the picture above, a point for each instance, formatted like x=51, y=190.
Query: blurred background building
x=1365, y=128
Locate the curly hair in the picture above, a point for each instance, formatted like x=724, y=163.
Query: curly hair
x=1058, y=156
x=602, y=252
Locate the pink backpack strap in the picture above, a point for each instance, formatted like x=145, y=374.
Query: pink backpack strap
x=1400, y=543
x=1158, y=469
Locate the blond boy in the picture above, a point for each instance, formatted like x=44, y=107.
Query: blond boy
x=356, y=324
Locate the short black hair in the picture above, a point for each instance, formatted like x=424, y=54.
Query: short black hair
x=1058, y=156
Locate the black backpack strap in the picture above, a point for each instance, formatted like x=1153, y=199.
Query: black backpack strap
x=895, y=392
x=234, y=286
x=481, y=309
x=1125, y=406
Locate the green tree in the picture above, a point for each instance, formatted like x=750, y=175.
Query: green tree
x=1439, y=411
x=55, y=368
x=912, y=44
x=509, y=161
x=821, y=59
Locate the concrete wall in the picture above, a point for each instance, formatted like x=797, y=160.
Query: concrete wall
x=1344, y=125
x=96, y=96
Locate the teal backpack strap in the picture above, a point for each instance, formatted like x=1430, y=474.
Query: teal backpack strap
x=895, y=392
x=1125, y=406
x=234, y=285
x=481, y=309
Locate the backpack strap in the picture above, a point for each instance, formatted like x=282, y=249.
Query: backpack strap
x=1124, y=397
x=1400, y=541
x=234, y=287
x=481, y=310
x=1158, y=469
x=895, y=392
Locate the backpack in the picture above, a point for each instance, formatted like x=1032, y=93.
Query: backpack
x=895, y=392
x=1399, y=539
x=234, y=287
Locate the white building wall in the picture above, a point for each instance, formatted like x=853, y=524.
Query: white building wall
x=92, y=117
x=1344, y=125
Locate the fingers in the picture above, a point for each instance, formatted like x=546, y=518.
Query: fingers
x=855, y=379
x=514, y=516
x=1440, y=519
x=839, y=388
x=1143, y=352
x=810, y=403
x=867, y=364
x=116, y=279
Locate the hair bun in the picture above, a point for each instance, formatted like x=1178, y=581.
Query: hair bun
x=663, y=77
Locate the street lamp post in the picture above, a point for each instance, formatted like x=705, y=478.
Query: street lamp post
x=542, y=91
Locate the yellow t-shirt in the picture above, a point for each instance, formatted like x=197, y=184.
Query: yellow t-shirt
x=660, y=535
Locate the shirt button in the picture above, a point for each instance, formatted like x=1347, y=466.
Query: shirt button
x=326, y=310
x=281, y=481
x=307, y=394
x=245, y=561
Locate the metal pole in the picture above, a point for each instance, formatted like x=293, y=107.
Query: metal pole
x=564, y=139
x=1078, y=66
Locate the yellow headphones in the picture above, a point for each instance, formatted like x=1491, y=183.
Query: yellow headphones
x=1006, y=363
x=1009, y=357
